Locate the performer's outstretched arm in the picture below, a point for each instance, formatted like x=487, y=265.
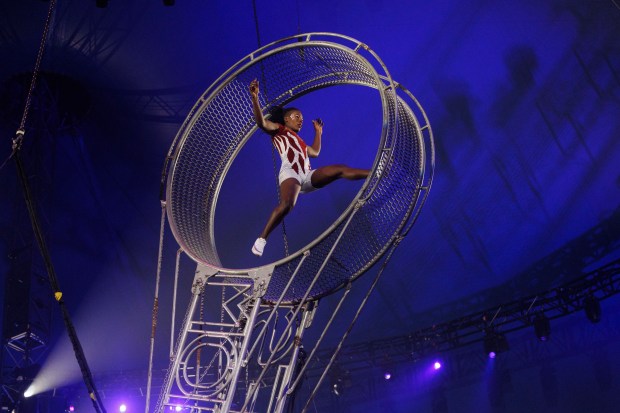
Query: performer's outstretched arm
x=315, y=149
x=266, y=125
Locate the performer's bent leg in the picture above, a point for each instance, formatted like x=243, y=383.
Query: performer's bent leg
x=289, y=190
x=328, y=174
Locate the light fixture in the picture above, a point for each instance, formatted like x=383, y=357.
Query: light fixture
x=542, y=327
x=337, y=387
x=340, y=379
x=386, y=367
x=495, y=343
x=592, y=307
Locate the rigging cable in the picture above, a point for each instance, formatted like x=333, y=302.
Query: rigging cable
x=38, y=233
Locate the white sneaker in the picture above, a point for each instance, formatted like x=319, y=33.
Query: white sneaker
x=259, y=246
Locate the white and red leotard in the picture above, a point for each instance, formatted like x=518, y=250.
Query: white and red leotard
x=294, y=156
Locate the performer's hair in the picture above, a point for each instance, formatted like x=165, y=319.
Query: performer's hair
x=278, y=113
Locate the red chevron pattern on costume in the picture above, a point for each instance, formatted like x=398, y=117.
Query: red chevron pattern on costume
x=292, y=150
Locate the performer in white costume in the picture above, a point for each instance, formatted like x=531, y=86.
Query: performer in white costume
x=295, y=173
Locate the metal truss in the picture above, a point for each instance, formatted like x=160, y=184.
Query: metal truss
x=567, y=263
x=167, y=105
x=474, y=328
x=358, y=372
x=97, y=36
x=357, y=385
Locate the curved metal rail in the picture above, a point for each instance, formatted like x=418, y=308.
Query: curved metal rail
x=212, y=136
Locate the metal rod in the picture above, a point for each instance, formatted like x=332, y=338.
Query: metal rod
x=244, y=346
x=197, y=287
x=174, y=301
x=346, y=334
x=288, y=373
x=303, y=299
x=155, y=307
x=278, y=302
x=318, y=343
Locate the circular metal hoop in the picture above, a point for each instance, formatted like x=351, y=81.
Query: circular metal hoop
x=212, y=135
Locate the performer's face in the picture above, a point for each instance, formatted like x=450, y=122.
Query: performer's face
x=294, y=120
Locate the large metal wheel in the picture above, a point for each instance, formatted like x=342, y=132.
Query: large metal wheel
x=212, y=135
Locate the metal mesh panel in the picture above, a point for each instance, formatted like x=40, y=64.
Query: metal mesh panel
x=222, y=121
x=372, y=227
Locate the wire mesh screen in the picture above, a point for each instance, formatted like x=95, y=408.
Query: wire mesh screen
x=222, y=121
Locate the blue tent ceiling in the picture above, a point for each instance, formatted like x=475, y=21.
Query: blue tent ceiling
x=523, y=98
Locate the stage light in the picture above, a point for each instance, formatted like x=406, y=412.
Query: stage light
x=437, y=365
x=592, y=307
x=71, y=408
x=178, y=408
x=542, y=327
x=495, y=343
x=122, y=408
x=340, y=380
x=387, y=375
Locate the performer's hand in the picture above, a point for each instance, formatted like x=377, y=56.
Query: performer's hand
x=254, y=88
x=318, y=125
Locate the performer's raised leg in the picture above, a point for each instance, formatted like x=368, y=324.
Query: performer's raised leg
x=327, y=174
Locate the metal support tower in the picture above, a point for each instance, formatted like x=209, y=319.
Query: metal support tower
x=226, y=365
x=220, y=365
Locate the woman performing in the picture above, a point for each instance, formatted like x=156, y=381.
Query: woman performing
x=295, y=173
